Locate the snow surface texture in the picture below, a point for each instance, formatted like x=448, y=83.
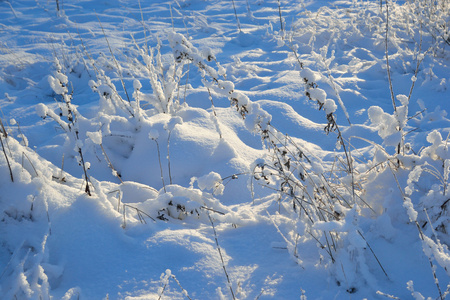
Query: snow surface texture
x=258, y=149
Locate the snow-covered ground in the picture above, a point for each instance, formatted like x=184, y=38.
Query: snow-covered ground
x=257, y=149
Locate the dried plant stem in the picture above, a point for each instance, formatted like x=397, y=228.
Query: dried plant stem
x=86, y=176
x=433, y=269
x=116, y=63
x=332, y=125
x=419, y=61
x=370, y=248
x=387, y=295
x=7, y=160
x=171, y=16
x=421, y=235
x=143, y=27
x=160, y=165
x=168, y=156
x=281, y=19
x=388, y=68
x=80, y=55
x=221, y=256
x=124, y=225
x=119, y=192
x=182, y=289
x=89, y=56
x=12, y=9
x=140, y=213
x=110, y=164
x=214, y=112
x=338, y=96
x=24, y=155
x=4, y=132
x=237, y=19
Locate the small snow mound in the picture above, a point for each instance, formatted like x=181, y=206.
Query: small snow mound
x=224, y=150
x=212, y=181
x=245, y=39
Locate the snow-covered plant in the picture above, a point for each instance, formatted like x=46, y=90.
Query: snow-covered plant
x=433, y=16
x=165, y=279
x=325, y=63
x=255, y=118
x=28, y=279
x=164, y=80
x=391, y=127
x=306, y=194
x=432, y=164
x=342, y=193
x=111, y=102
x=59, y=83
x=4, y=134
x=24, y=140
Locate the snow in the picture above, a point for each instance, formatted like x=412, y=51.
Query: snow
x=171, y=150
x=212, y=182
